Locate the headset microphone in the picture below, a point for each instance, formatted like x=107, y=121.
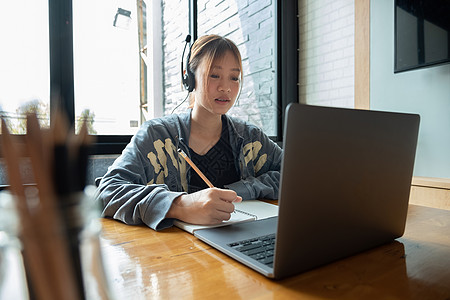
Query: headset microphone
x=188, y=78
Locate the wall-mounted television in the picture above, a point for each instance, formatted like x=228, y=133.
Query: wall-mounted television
x=422, y=34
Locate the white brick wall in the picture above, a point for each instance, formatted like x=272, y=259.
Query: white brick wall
x=250, y=24
x=326, y=29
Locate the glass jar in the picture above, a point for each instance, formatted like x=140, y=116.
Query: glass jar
x=84, y=230
x=12, y=273
x=80, y=231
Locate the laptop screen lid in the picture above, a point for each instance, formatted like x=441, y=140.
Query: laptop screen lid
x=345, y=183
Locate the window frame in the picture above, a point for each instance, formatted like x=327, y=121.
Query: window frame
x=62, y=75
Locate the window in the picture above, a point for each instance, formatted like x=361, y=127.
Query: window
x=24, y=61
x=106, y=65
x=119, y=64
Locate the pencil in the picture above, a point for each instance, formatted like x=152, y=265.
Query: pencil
x=33, y=254
x=83, y=143
x=191, y=163
x=55, y=244
x=62, y=171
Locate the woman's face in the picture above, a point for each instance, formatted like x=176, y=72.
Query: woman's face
x=223, y=84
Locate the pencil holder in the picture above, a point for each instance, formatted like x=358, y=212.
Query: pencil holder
x=12, y=273
x=29, y=265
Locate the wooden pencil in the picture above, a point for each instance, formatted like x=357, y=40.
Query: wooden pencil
x=49, y=219
x=69, y=171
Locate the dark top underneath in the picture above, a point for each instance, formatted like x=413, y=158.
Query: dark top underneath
x=218, y=164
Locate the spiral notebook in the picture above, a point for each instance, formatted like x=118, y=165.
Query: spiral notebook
x=247, y=210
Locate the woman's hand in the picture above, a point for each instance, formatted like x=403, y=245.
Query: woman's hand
x=205, y=207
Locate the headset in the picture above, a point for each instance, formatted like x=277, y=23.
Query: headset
x=188, y=79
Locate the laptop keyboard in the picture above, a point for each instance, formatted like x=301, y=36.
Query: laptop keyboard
x=260, y=248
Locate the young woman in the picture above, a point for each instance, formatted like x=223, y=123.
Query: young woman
x=151, y=183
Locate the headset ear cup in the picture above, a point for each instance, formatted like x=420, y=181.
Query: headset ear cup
x=187, y=76
x=190, y=80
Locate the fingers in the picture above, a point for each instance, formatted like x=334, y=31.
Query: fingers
x=223, y=206
x=226, y=195
x=220, y=216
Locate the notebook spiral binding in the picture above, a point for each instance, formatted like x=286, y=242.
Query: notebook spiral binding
x=247, y=213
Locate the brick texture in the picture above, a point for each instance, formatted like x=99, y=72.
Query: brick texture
x=250, y=24
x=326, y=52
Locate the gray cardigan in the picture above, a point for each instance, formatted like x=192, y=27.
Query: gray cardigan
x=141, y=184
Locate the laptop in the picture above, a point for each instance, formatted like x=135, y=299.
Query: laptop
x=345, y=183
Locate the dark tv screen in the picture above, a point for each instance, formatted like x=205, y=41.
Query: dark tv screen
x=422, y=33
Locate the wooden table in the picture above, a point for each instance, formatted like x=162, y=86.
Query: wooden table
x=172, y=264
